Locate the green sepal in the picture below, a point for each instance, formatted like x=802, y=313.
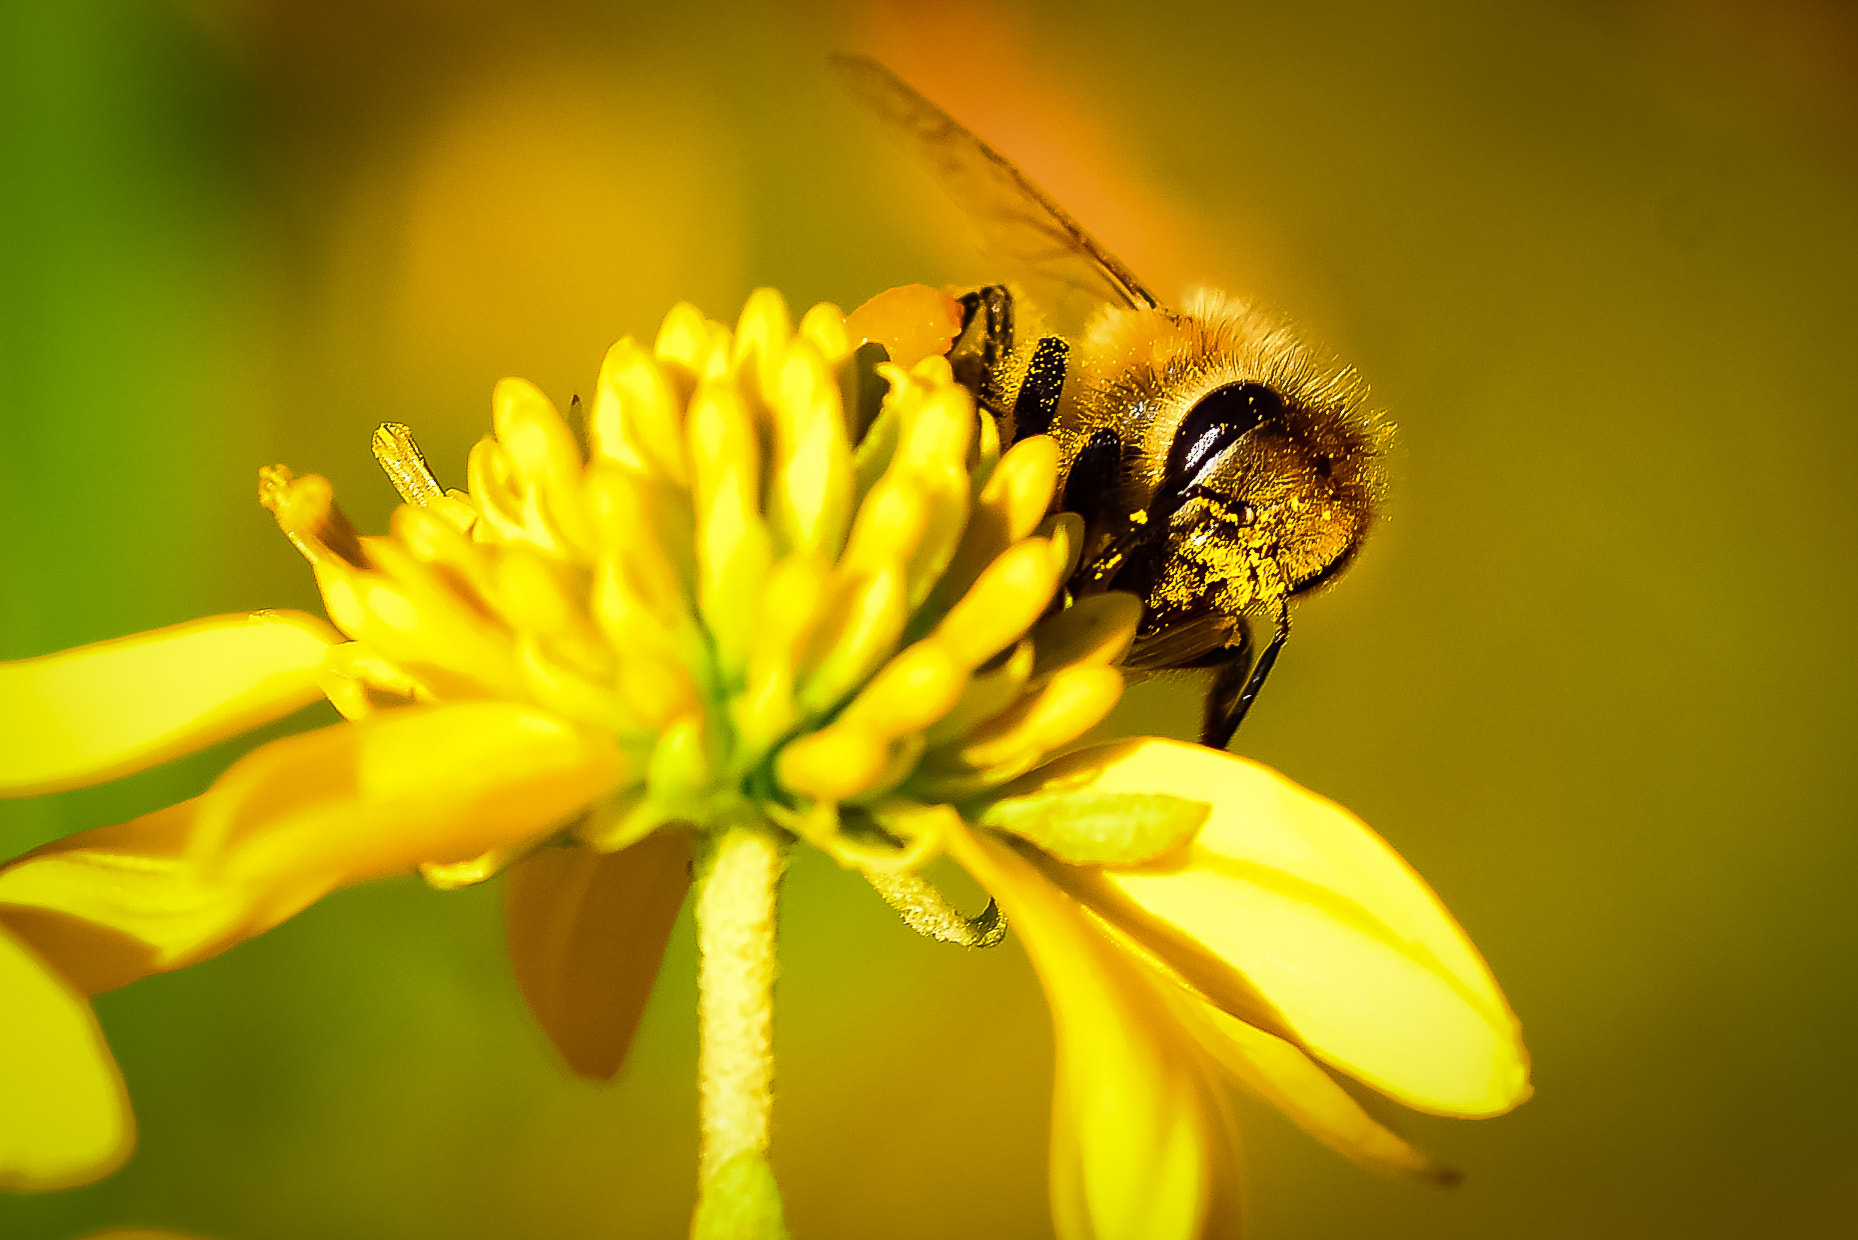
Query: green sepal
x=1100, y=828
x=740, y=1202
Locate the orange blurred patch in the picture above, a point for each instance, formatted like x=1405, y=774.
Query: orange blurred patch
x=978, y=60
x=911, y=322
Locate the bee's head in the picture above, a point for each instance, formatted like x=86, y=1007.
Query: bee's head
x=1255, y=482
x=1259, y=471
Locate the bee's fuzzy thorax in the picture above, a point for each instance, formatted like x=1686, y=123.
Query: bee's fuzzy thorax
x=1153, y=365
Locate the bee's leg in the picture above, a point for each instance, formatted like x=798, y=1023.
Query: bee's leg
x=1095, y=471
x=1236, y=682
x=984, y=346
x=1035, y=407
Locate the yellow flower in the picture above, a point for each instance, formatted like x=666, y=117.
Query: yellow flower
x=769, y=588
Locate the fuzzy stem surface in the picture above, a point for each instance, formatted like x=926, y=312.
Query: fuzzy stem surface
x=738, y=884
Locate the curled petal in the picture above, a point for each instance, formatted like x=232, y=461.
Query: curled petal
x=364, y=799
x=64, y=1116
x=1140, y=1144
x=1345, y=941
x=98, y=712
x=587, y=931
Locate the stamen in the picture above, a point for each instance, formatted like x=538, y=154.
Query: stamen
x=405, y=464
x=306, y=512
x=926, y=911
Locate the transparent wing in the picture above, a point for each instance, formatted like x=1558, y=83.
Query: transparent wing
x=1018, y=219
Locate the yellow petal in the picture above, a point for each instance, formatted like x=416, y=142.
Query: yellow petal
x=791, y=604
x=1363, y=962
x=64, y=1116
x=1140, y=1147
x=888, y=527
x=762, y=328
x=835, y=763
x=811, y=490
x=1291, y=1081
x=587, y=931
x=1073, y=701
x=913, y=690
x=857, y=634
x=92, y=714
x=986, y=694
x=636, y=417
x=117, y=903
x=824, y=327
x=734, y=546
x=540, y=446
x=378, y=796
x=307, y=514
x=1008, y=509
x=1003, y=603
x=646, y=527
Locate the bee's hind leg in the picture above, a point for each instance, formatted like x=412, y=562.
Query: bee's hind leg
x=1236, y=682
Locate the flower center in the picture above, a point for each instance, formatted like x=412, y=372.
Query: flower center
x=786, y=574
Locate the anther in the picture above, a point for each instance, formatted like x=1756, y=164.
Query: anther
x=405, y=464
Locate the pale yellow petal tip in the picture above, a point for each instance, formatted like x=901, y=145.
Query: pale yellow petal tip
x=764, y=325
x=824, y=325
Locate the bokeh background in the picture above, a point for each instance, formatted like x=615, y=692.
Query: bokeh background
x=1594, y=676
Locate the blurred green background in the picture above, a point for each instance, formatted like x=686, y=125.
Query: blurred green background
x=1594, y=676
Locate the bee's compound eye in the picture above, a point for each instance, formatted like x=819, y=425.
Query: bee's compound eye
x=1216, y=421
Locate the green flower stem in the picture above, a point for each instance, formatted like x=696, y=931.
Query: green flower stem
x=738, y=882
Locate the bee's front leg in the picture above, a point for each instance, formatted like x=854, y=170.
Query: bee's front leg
x=980, y=353
x=1237, y=680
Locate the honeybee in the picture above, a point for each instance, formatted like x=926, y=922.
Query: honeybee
x=1222, y=468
